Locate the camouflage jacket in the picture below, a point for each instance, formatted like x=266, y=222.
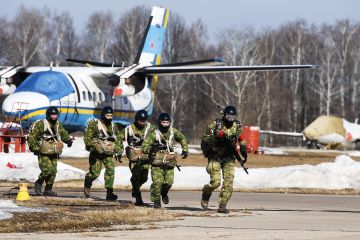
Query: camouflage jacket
x=135, y=136
x=221, y=138
x=38, y=131
x=92, y=133
x=151, y=139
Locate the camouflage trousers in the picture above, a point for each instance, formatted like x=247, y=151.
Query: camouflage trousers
x=214, y=168
x=162, y=182
x=96, y=161
x=48, y=167
x=139, y=175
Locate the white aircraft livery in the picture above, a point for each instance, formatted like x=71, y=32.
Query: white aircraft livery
x=81, y=92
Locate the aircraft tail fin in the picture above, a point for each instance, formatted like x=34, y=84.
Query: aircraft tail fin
x=150, y=49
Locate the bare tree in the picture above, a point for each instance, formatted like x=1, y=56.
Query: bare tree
x=29, y=32
x=3, y=41
x=63, y=40
x=129, y=32
x=98, y=36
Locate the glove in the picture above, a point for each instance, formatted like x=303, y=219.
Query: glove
x=111, y=139
x=118, y=157
x=184, y=154
x=88, y=148
x=36, y=153
x=69, y=142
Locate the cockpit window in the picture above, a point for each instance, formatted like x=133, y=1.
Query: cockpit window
x=54, y=85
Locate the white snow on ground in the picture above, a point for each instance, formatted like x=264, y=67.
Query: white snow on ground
x=344, y=172
x=27, y=168
x=77, y=150
x=7, y=207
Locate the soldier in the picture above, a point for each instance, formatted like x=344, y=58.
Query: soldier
x=218, y=146
x=100, y=140
x=159, y=145
x=139, y=164
x=45, y=140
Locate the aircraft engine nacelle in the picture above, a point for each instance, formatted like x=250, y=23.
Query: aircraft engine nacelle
x=129, y=86
x=6, y=89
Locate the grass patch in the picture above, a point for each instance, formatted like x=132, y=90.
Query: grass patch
x=76, y=215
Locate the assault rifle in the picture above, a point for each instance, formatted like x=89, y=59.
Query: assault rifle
x=237, y=154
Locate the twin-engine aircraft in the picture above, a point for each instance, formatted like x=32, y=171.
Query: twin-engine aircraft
x=80, y=92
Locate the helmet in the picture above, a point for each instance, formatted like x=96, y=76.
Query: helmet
x=163, y=117
x=229, y=115
x=229, y=110
x=141, y=115
x=51, y=111
x=104, y=111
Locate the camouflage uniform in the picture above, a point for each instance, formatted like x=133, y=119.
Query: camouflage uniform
x=158, y=146
x=39, y=133
x=221, y=158
x=139, y=164
x=96, y=159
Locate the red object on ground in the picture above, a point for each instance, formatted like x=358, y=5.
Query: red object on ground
x=9, y=165
x=252, y=136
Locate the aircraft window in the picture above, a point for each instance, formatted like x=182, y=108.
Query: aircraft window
x=94, y=96
x=125, y=100
x=90, y=96
x=84, y=95
x=101, y=97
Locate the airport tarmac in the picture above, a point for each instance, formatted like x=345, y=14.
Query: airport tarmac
x=267, y=216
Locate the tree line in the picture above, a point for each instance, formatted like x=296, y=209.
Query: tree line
x=278, y=100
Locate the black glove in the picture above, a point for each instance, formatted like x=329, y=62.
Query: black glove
x=88, y=148
x=117, y=157
x=243, y=152
x=69, y=142
x=36, y=153
x=184, y=154
x=111, y=139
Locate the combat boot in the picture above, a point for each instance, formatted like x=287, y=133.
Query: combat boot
x=87, y=190
x=205, y=200
x=222, y=209
x=165, y=199
x=157, y=204
x=48, y=191
x=164, y=193
x=138, y=199
x=37, y=187
x=110, y=196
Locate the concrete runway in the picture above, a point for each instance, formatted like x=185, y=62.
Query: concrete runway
x=272, y=216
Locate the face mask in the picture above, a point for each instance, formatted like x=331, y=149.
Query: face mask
x=230, y=117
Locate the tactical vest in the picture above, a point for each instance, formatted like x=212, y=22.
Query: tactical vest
x=50, y=143
x=102, y=145
x=212, y=147
x=166, y=156
x=133, y=150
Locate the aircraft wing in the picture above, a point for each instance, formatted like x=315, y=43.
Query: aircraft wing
x=172, y=70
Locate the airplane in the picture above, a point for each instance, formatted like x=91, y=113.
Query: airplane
x=80, y=92
x=327, y=132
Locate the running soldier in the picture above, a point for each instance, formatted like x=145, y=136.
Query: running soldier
x=159, y=145
x=218, y=145
x=46, y=140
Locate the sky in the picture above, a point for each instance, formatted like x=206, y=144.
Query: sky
x=216, y=15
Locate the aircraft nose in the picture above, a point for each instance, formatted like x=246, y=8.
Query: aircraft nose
x=23, y=102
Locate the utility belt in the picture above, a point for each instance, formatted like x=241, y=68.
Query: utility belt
x=134, y=154
x=104, y=147
x=165, y=159
x=51, y=147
